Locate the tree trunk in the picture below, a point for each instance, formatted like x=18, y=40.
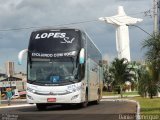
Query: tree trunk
x=151, y=95
x=121, y=92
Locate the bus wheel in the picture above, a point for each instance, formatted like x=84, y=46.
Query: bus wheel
x=66, y=106
x=85, y=103
x=98, y=98
x=41, y=106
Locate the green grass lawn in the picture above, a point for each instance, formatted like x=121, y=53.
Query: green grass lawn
x=148, y=106
x=109, y=94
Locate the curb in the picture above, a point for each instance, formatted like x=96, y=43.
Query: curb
x=112, y=97
x=138, y=108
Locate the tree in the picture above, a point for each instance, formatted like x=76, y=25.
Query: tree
x=134, y=71
x=147, y=82
x=118, y=70
x=152, y=54
x=107, y=77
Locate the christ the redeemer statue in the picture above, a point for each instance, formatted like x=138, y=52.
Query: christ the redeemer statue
x=121, y=21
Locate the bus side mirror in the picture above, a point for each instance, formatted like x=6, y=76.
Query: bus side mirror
x=20, y=56
x=81, y=56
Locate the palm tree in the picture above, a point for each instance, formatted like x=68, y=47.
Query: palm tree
x=147, y=82
x=152, y=54
x=153, y=76
x=118, y=70
x=152, y=45
x=133, y=74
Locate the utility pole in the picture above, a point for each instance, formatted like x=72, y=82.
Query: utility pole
x=155, y=16
x=0, y=96
x=158, y=15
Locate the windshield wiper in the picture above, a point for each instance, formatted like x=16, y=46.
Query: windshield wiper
x=31, y=81
x=34, y=81
x=73, y=81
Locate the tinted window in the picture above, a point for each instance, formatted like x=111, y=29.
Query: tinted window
x=51, y=41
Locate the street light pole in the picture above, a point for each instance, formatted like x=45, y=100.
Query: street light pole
x=0, y=96
x=158, y=14
x=155, y=16
x=141, y=29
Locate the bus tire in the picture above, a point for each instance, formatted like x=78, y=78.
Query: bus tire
x=41, y=107
x=85, y=103
x=66, y=106
x=98, y=97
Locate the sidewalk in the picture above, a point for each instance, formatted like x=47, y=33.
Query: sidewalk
x=14, y=100
x=14, y=106
x=14, y=103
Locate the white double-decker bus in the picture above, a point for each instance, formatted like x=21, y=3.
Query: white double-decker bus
x=63, y=67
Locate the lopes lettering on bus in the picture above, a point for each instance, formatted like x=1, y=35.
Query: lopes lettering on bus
x=49, y=35
x=63, y=36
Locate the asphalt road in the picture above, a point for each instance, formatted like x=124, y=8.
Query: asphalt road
x=106, y=110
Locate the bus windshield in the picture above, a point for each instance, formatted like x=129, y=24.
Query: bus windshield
x=52, y=71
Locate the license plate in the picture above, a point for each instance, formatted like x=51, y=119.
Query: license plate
x=51, y=99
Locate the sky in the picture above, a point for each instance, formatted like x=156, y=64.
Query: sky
x=15, y=14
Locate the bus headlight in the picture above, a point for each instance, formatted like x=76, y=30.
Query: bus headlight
x=72, y=88
x=31, y=90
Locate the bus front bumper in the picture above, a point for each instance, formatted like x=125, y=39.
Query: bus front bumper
x=74, y=97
